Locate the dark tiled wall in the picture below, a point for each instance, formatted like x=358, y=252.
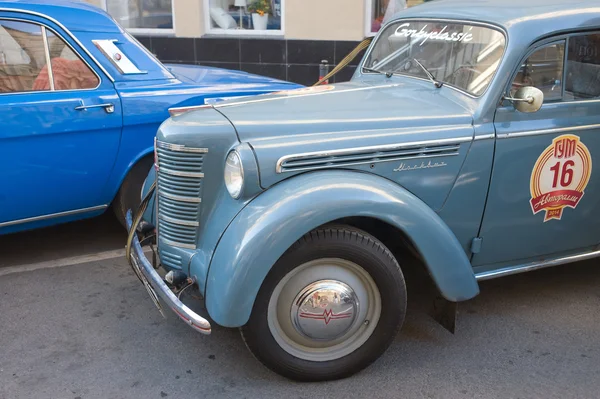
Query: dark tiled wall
x=293, y=60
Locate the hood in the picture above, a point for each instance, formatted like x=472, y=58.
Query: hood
x=346, y=107
x=348, y=116
x=211, y=76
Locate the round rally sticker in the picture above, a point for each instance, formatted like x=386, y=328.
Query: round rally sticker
x=560, y=176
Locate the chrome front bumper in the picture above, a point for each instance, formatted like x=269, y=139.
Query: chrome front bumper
x=155, y=284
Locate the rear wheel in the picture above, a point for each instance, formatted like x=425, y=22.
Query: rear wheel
x=329, y=307
x=129, y=195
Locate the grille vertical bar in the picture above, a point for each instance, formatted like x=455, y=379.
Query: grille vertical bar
x=179, y=195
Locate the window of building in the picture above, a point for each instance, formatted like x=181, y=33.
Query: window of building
x=143, y=16
x=380, y=11
x=244, y=17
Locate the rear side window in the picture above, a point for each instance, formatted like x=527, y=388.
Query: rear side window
x=26, y=48
x=68, y=69
x=583, y=67
x=22, y=56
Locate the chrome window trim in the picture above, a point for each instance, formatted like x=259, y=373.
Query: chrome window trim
x=179, y=197
x=180, y=147
x=47, y=56
x=178, y=221
x=527, y=267
x=67, y=31
x=53, y=215
x=387, y=147
x=134, y=70
x=50, y=73
x=548, y=131
x=458, y=21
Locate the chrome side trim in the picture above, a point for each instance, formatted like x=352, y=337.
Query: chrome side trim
x=180, y=147
x=548, y=131
x=53, y=215
x=303, y=168
x=346, y=151
x=178, y=221
x=179, y=197
x=68, y=32
x=490, y=136
x=177, y=244
x=527, y=267
x=182, y=174
x=48, y=60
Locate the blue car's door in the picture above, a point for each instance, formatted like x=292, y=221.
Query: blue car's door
x=60, y=127
x=545, y=192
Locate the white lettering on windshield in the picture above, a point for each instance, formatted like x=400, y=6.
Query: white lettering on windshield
x=403, y=30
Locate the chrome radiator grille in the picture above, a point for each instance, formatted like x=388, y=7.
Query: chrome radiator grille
x=179, y=192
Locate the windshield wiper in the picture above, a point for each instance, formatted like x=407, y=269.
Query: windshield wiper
x=436, y=82
x=387, y=74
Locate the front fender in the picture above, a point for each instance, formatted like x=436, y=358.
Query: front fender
x=273, y=221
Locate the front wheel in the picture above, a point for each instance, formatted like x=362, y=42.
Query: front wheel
x=129, y=195
x=330, y=306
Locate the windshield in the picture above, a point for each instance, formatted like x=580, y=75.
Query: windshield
x=461, y=55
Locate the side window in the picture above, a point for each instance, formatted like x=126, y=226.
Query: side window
x=543, y=70
x=583, y=67
x=68, y=70
x=22, y=56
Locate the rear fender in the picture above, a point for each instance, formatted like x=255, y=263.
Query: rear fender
x=273, y=221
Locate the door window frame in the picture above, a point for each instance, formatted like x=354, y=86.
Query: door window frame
x=44, y=28
x=538, y=45
x=530, y=50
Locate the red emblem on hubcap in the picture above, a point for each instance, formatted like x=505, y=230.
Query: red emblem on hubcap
x=326, y=316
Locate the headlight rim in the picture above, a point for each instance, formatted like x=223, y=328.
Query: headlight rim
x=235, y=153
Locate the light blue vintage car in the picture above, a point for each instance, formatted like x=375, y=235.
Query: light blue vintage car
x=81, y=102
x=465, y=141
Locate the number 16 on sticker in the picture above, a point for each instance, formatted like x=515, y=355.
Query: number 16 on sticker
x=560, y=176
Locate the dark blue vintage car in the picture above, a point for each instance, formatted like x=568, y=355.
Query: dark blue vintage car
x=81, y=102
x=463, y=146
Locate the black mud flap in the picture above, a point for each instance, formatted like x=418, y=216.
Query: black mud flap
x=444, y=312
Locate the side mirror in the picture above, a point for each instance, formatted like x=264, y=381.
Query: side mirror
x=527, y=99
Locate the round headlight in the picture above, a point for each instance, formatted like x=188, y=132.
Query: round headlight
x=234, y=174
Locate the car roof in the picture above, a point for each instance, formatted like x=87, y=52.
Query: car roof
x=75, y=15
x=526, y=19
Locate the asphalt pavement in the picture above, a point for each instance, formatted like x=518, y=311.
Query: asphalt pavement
x=89, y=330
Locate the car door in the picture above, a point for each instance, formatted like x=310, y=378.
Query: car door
x=544, y=192
x=60, y=127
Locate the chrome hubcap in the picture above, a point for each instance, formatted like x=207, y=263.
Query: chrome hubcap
x=324, y=310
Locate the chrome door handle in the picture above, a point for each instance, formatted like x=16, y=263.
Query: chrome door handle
x=108, y=107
